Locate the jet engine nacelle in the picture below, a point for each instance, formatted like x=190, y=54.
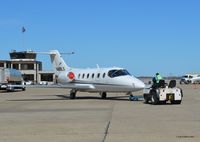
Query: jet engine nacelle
x=66, y=77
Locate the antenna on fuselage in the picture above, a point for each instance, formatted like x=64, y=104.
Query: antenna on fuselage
x=98, y=66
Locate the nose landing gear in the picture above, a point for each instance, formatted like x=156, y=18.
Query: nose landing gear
x=103, y=95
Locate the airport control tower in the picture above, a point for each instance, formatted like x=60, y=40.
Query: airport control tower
x=23, y=55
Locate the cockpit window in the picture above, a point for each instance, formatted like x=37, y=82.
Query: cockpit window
x=116, y=73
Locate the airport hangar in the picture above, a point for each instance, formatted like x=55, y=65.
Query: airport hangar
x=31, y=69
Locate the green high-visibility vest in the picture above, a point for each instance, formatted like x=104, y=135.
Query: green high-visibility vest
x=158, y=78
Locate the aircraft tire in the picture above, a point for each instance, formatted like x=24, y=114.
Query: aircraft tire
x=103, y=95
x=72, y=95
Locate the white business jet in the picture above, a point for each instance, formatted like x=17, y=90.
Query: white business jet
x=100, y=80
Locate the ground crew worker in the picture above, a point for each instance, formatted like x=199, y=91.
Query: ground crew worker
x=158, y=77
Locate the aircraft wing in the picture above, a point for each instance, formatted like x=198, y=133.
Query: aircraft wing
x=77, y=86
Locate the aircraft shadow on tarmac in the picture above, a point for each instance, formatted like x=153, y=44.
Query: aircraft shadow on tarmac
x=117, y=98
x=66, y=97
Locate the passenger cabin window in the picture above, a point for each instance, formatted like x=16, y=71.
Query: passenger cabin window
x=79, y=75
x=83, y=75
x=104, y=75
x=117, y=73
x=98, y=75
x=93, y=75
x=88, y=75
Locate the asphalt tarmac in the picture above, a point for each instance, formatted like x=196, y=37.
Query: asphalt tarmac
x=48, y=115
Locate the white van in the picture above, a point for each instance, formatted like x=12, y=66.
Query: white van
x=190, y=78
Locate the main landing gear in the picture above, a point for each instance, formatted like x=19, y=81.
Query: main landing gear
x=72, y=94
x=103, y=95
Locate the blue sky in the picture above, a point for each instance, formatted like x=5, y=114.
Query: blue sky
x=143, y=36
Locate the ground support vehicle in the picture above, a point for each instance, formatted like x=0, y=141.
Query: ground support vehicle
x=11, y=79
x=162, y=93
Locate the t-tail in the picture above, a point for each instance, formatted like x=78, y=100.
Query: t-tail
x=57, y=61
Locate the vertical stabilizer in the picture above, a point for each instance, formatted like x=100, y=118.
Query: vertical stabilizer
x=57, y=61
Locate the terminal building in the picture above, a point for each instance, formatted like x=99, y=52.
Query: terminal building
x=31, y=69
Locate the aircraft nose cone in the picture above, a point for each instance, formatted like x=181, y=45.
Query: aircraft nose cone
x=139, y=84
